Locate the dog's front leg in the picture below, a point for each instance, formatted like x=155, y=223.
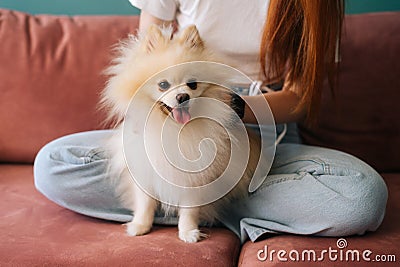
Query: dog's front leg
x=144, y=209
x=188, y=225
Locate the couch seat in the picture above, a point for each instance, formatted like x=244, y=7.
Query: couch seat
x=36, y=232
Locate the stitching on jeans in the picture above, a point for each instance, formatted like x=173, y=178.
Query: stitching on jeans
x=327, y=169
x=315, y=160
x=298, y=176
x=258, y=232
x=266, y=184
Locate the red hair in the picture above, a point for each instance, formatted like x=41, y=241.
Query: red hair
x=301, y=41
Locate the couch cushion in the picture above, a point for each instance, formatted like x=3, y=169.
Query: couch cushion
x=50, y=75
x=385, y=241
x=363, y=118
x=36, y=232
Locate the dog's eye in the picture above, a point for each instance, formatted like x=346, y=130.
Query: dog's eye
x=192, y=84
x=164, y=85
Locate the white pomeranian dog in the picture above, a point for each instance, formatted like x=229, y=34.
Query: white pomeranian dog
x=169, y=107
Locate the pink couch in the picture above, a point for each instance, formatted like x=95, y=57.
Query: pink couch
x=50, y=81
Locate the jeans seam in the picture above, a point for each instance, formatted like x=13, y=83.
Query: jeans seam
x=255, y=234
x=315, y=160
x=277, y=181
x=280, y=180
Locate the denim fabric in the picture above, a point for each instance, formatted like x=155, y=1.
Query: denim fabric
x=312, y=191
x=309, y=190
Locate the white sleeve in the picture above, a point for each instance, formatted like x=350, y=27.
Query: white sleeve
x=162, y=9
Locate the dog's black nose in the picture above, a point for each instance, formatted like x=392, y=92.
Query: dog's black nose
x=182, y=98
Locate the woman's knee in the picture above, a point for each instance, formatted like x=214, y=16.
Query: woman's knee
x=61, y=165
x=42, y=169
x=361, y=211
x=357, y=193
x=371, y=204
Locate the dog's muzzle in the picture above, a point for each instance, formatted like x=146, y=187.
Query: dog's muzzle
x=180, y=113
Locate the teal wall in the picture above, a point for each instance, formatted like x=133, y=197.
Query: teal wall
x=364, y=6
x=122, y=7
x=71, y=7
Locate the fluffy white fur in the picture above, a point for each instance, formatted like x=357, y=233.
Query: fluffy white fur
x=140, y=58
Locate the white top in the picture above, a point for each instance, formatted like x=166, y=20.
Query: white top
x=231, y=28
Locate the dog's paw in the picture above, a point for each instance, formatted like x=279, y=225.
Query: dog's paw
x=192, y=236
x=135, y=229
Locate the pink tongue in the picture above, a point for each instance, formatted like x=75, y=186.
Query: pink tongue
x=181, y=114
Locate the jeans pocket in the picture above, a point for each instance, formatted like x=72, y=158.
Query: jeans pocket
x=301, y=164
x=274, y=179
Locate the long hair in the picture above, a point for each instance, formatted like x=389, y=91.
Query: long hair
x=300, y=42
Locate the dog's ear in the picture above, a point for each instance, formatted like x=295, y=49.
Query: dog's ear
x=152, y=39
x=190, y=38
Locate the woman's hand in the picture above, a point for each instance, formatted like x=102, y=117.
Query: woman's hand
x=146, y=19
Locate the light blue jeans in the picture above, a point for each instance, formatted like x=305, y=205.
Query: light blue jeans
x=309, y=190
